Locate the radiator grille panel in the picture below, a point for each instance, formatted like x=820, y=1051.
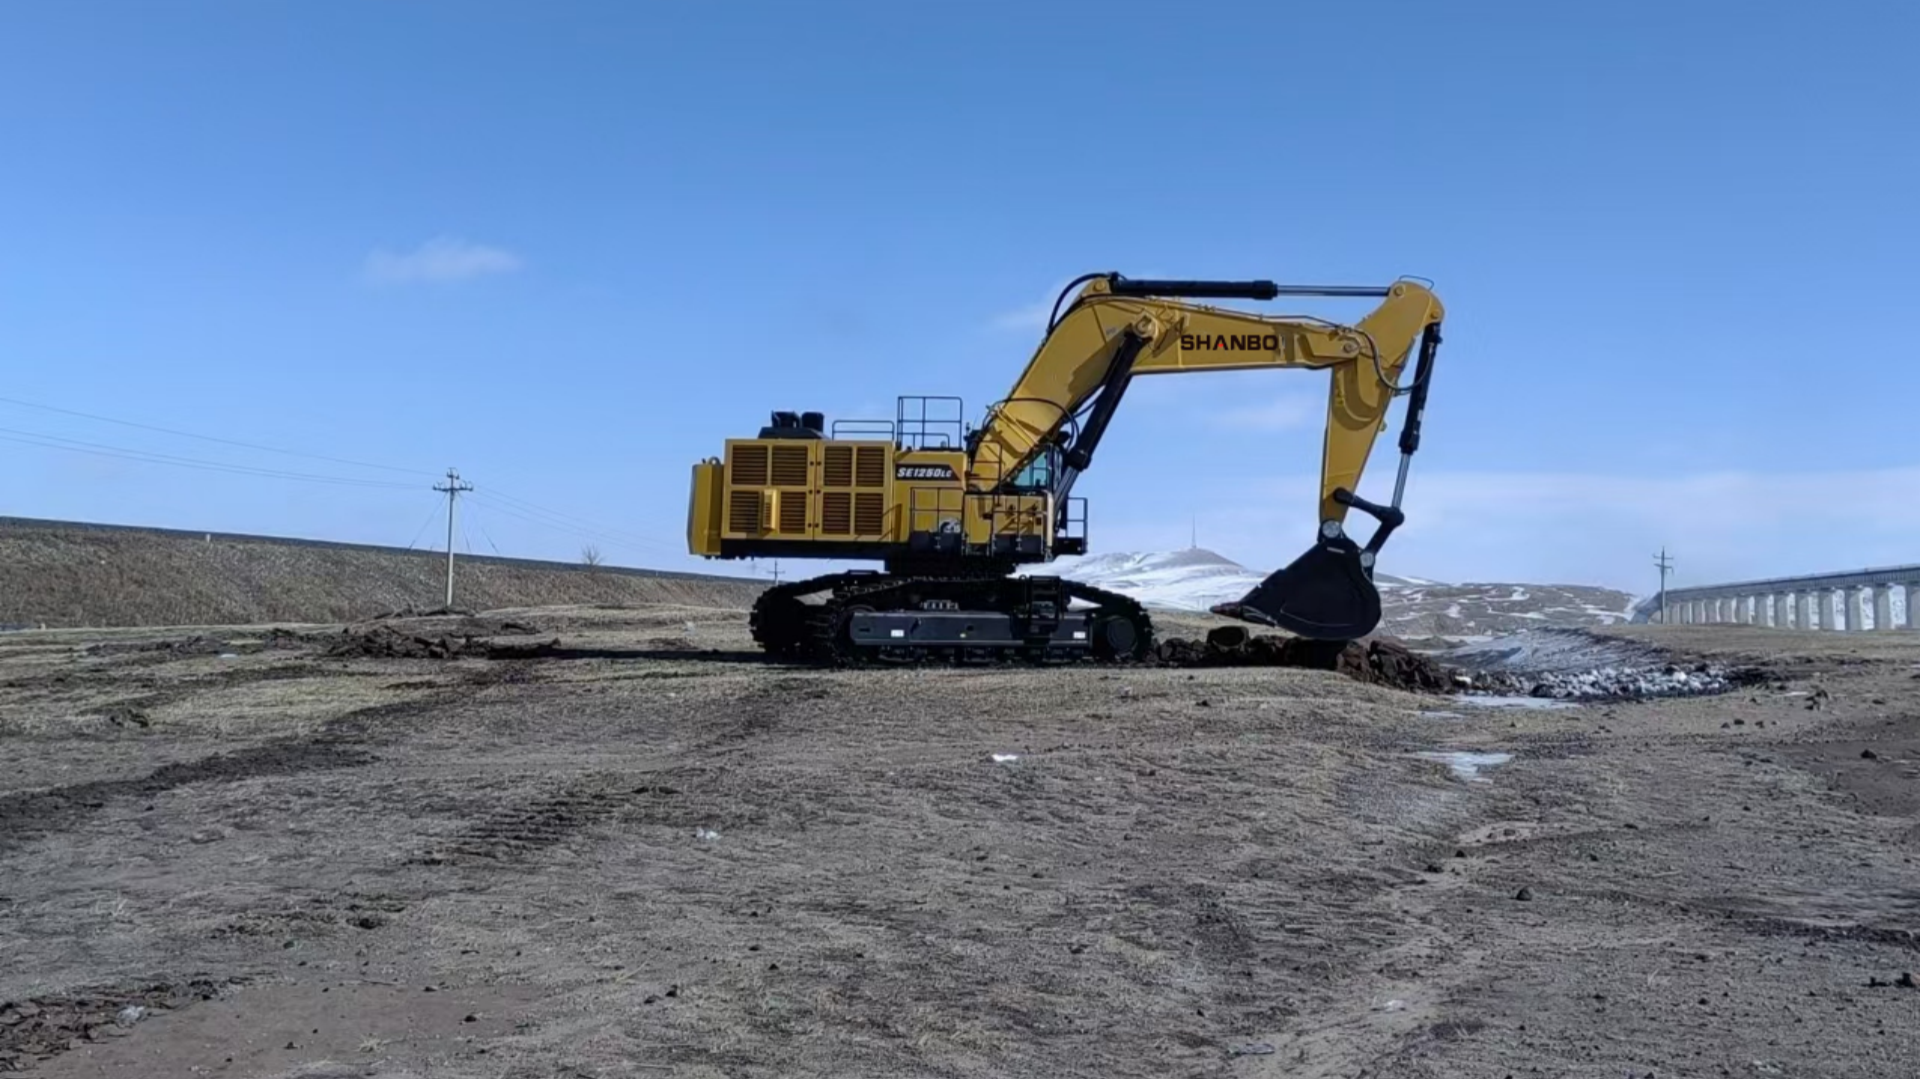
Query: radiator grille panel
x=743, y=511
x=749, y=466
x=837, y=467
x=872, y=468
x=789, y=467
x=869, y=513
x=793, y=513
x=836, y=513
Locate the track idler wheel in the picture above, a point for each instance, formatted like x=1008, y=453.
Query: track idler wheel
x=1117, y=636
x=779, y=625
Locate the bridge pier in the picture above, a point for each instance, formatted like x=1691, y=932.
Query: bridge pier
x=1845, y=602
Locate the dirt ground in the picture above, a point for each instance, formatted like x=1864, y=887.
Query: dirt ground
x=644, y=852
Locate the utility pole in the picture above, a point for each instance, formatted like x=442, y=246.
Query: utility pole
x=452, y=489
x=1661, y=560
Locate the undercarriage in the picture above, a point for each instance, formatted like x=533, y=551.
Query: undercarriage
x=873, y=617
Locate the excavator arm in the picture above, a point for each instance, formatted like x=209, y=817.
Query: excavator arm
x=1117, y=328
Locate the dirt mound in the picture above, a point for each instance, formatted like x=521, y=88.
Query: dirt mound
x=1376, y=662
x=388, y=642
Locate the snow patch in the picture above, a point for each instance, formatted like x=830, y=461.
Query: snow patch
x=1196, y=580
x=1467, y=765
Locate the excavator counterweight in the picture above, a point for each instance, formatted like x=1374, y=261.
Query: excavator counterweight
x=958, y=514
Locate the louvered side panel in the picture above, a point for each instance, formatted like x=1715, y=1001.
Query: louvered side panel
x=869, y=514
x=790, y=466
x=871, y=467
x=743, y=512
x=793, y=513
x=748, y=467
x=836, y=468
x=836, y=513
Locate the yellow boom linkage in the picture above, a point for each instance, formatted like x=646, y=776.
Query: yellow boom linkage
x=1117, y=328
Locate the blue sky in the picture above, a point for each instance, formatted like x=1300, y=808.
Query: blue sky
x=570, y=248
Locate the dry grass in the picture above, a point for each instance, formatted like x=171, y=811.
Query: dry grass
x=81, y=577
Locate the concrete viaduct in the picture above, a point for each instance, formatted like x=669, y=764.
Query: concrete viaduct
x=1845, y=601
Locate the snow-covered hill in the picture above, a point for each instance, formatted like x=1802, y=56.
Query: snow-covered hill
x=1196, y=579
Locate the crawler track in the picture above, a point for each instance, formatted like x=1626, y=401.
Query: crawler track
x=788, y=627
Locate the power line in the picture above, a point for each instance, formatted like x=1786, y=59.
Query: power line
x=478, y=499
x=100, y=449
x=418, y=532
x=211, y=438
x=637, y=538
x=484, y=534
x=505, y=503
x=548, y=519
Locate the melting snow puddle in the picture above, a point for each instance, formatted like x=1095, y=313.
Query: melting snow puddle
x=1005, y=758
x=1467, y=765
x=1507, y=701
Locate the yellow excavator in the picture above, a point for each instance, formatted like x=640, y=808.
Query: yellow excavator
x=953, y=511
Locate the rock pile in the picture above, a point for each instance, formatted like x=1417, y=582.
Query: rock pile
x=1377, y=662
x=387, y=642
x=1616, y=683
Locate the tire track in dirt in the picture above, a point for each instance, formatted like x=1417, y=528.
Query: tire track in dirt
x=29, y=815
x=518, y=831
x=26, y=816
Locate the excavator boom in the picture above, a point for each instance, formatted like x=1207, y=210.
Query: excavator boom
x=1118, y=328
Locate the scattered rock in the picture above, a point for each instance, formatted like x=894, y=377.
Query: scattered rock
x=1869, y=755
x=1524, y=894
x=1577, y=665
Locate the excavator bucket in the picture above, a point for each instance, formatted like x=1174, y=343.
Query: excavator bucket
x=1324, y=595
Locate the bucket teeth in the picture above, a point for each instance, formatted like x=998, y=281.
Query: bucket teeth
x=1243, y=612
